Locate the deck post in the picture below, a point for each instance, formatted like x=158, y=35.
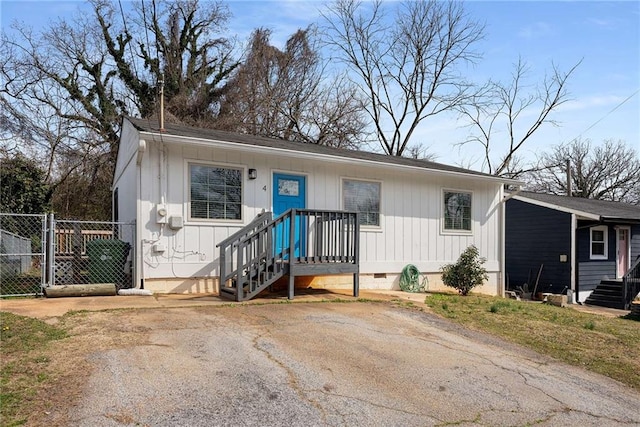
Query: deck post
x=356, y=256
x=292, y=252
x=356, y=284
x=222, y=268
x=239, y=274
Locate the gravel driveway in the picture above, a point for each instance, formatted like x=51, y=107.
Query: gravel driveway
x=359, y=364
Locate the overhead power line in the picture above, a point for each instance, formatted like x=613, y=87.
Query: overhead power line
x=607, y=115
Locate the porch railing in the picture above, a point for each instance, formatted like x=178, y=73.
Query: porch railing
x=631, y=284
x=299, y=242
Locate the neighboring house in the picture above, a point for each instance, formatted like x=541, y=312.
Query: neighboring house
x=579, y=243
x=190, y=189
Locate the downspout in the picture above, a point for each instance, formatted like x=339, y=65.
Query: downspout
x=162, y=176
x=142, y=147
x=503, y=233
x=573, y=280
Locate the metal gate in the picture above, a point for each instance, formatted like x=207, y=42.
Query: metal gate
x=93, y=252
x=37, y=251
x=22, y=254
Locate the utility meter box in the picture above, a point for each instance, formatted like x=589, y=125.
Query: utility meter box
x=175, y=222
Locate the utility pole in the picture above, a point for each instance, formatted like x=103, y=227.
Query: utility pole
x=161, y=83
x=569, y=189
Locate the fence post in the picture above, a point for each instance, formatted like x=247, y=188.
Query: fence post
x=356, y=256
x=77, y=253
x=50, y=250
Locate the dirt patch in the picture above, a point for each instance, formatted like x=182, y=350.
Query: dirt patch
x=70, y=365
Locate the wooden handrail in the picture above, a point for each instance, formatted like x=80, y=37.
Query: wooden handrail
x=631, y=283
x=301, y=240
x=260, y=218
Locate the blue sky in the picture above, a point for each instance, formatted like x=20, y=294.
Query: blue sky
x=604, y=35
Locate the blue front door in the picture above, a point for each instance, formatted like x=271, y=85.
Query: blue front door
x=289, y=191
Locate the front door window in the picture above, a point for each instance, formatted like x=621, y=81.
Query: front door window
x=623, y=251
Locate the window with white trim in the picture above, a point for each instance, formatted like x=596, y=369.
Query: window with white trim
x=215, y=192
x=457, y=211
x=599, y=237
x=362, y=197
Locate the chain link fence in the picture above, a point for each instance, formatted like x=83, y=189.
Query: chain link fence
x=38, y=251
x=93, y=252
x=22, y=254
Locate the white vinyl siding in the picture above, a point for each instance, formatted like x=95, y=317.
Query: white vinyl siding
x=410, y=210
x=362, y=197
x=598, y=244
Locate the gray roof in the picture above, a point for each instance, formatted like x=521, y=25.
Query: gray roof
x=604, y=209
x=145, y=125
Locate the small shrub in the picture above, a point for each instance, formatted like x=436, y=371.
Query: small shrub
x=466, y=273
x=590, y=325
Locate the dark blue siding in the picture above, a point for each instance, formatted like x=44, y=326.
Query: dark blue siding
x=635, y=242
x=592, y=271
x=584, y=242
x=536, y=235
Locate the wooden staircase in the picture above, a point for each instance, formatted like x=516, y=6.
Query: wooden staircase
x=618, y=293
x=609, y=293
x=299, y=242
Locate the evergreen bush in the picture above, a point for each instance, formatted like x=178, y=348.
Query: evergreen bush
x=466, y=273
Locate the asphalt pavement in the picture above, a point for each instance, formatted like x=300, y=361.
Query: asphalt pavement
x=194, y=361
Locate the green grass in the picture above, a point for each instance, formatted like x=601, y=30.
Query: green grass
x=609, y=346
x=23, y=366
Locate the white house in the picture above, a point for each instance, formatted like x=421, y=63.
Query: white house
x=188, y=189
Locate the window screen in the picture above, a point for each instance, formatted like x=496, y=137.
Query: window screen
x=362, y=197
x=457, y=211
x=215, y=192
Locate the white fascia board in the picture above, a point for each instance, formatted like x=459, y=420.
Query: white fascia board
x=177, y=139
x=578, y=213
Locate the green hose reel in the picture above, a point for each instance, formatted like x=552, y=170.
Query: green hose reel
x=410, y=279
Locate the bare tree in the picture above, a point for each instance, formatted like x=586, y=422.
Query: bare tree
x=284, y=94
x=406, y=68
x=509, y=114
x=610, y=171
x=66, y=88
x=179, y=42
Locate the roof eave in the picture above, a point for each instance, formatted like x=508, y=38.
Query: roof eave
x=578, y=213
x=180, y=139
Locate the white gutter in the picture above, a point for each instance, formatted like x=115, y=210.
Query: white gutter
x=212, y=143
x=503, y=237
x=513, y=194
x=574, y=262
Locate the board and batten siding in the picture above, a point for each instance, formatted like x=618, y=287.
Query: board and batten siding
x=125, y=174
x=537, y=236
x=635, y=242
x=411, y=210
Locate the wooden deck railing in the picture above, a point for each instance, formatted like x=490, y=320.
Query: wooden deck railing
x=300, y=242
x=631, y=284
